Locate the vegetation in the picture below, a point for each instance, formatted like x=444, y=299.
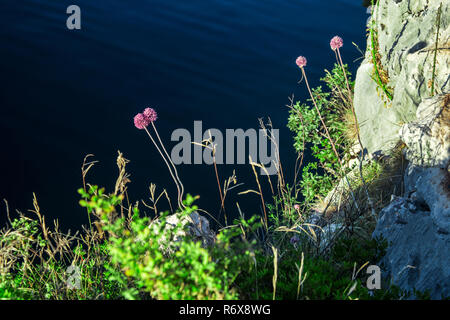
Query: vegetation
x=319, y=176
x=438, y=24
x=381, y=76
x=279, y=253
x=131, y=257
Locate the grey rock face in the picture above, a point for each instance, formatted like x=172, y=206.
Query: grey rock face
x=427, y=177
x=378, y=125
x=406, y=38
x=418, y=255
x=417, y=226
x=428, y=138
x=431, y=186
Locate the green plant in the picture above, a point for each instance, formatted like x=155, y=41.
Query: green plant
x=34, y=262
x=320, y=175
x=148, y=256
x=323, y=278
x=380, y=75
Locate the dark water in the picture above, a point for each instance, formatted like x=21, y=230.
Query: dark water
x=66, y=93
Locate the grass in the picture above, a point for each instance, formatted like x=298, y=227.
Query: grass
x=127, y=255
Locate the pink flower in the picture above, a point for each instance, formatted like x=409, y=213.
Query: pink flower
x=336, y=43
x=140, y=121
x=297, y=207
x=150, y=114
x=301, y=61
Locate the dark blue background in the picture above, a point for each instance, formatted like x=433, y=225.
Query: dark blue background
x=227, y=62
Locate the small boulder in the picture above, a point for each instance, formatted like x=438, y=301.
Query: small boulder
x=418, y=253
x=193, y=225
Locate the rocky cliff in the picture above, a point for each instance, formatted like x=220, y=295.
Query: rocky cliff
x=402, y=97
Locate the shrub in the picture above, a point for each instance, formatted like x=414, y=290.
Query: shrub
x=320, y=175
x=149, y=259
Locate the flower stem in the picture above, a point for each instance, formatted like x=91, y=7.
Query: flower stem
x=180, y=204
x=329, y=136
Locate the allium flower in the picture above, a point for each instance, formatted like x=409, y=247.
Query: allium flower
x=150, y=114
x=140, y=121
x=336, y=43
x=301, y=61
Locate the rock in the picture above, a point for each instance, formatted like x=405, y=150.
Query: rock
x=194, y=225
x=378, y=125
x=431, y=187
x=428, y=138
x=418, y=253
x=329, y=234
x=417, y=226
x=335, y=202
x=324, y=230
x=406, y=39
x=428, y=149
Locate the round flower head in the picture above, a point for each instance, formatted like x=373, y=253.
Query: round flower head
x=150, y=114
x=140, y=121
x=301, y=61
x=336, y=43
